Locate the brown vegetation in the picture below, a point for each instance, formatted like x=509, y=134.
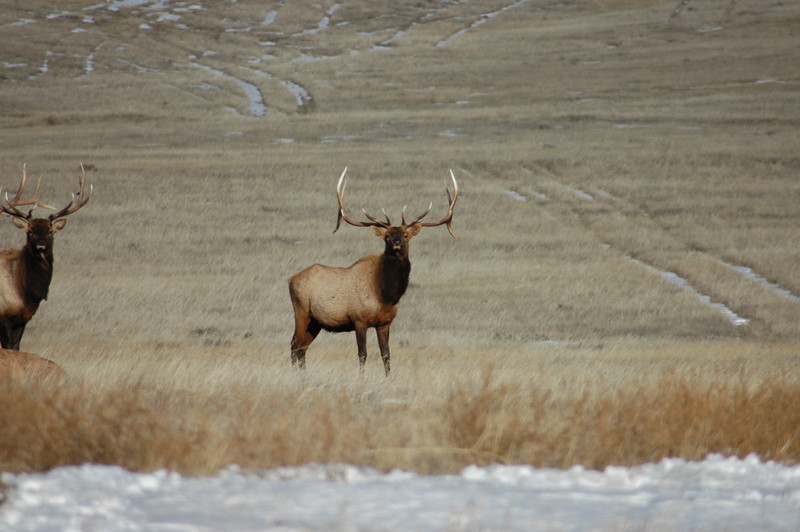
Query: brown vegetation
x=642, y=140
x=485, y=417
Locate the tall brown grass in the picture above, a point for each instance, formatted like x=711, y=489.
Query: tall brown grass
x=428, y=422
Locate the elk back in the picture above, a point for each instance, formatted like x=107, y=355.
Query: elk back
x=18, y=364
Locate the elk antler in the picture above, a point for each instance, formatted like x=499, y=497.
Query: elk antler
x=342, y=215
x=10, y=208
x=82, y=200
x=448, y=219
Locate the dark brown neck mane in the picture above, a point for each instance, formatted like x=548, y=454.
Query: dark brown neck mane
x=393, y=277
x=37, y=272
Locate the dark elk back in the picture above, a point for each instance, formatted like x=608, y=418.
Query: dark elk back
x=25, y=273
x=365, y=294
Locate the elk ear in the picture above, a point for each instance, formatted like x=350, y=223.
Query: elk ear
x=413, y=231
x=20, y=223
x=379, y=231
x=58, y=225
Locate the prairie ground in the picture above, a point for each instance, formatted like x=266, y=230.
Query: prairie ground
x=627, y=251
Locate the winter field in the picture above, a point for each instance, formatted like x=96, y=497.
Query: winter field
x=610, y=342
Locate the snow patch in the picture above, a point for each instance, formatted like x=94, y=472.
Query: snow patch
x=583, y=195
x=717, y=493
x=256, y=106
x=513, y=194
x=322, y=24
x=753, y=276
x=632, y=126
x=169, y=17
x=20, y=22
x=607, y=195
x=338, y=138
x=301, y=95
x=270, y=18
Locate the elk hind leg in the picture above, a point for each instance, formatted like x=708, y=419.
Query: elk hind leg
x=361, y=343
x=305, y=331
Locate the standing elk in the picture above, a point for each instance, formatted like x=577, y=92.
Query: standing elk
x=25, y=273
x=363, y=295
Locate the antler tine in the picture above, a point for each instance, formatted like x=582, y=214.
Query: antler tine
x=342, y=215
x=10, y=209
x=34, y=200
x=374, y=220
x=339, y=193
x=73, y=207
x=421, y=216
x=11, y=204
x=448, y=219
x=21, y=186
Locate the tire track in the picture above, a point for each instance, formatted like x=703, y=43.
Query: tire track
x=752, y=305
x=256, y=106
x=483, y=19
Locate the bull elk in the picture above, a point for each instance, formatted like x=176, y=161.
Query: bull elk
x=25, y=273
x=365, y=294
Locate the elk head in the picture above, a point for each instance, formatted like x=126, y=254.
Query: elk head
x=40, y=231
x=396, y=237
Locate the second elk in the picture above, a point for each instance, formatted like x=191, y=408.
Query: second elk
x=25, y=273
x=365, y=294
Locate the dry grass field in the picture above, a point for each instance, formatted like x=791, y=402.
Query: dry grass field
x=624, y=283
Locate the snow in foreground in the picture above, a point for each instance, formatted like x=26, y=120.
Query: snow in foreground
x=716, y=494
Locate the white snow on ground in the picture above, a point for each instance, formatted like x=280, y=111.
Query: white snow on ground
x=582, y=194
x=753, y=276
x=680, y=282
x=716, y=494
x=513, y=194
x=256, y=105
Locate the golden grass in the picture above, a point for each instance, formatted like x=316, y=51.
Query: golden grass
x=526, y=339
x=439, y=413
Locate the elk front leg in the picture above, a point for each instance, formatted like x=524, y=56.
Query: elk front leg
x=383, y=343
x=6, y=335
x=16, y=336
x=361, y=343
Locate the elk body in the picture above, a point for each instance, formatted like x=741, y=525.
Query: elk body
x=365, y=294
x=25, y=273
